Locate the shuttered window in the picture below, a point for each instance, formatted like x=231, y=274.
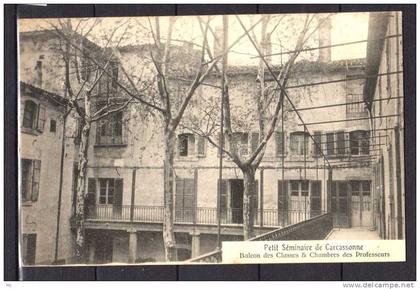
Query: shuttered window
x=30, y=178
x=30, y=114
x=110, y=130
x=299, y=143
x=359, y=142
x=240, y=142
x=184, y=200
x=186, y=144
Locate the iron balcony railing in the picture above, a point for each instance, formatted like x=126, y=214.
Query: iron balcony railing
x=200, y=216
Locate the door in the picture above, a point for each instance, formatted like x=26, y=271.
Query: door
x=118, y=197
x=236, y=200
x=340, y=204
x=315, y=198
x=28, y=249
x=361, y=204
x=103, y=248
x=283, y=208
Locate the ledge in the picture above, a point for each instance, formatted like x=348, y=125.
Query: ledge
x=109, y=145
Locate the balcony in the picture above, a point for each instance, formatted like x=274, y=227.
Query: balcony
x=268, y=218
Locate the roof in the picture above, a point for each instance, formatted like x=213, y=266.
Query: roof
x=51, y=33
x=29, y=89
x=377, y=29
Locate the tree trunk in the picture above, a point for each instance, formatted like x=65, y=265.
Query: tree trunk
x=168, y=189
x=248, y=205
x=80, y=200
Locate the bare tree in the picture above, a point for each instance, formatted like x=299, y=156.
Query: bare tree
x=81, y=79
x=267, y=102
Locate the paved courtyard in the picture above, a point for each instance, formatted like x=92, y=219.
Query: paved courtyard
x=353, y=234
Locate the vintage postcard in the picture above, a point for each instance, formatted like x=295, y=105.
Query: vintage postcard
x=269, y=138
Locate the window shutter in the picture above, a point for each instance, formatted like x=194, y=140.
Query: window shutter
x=118, y=192
x=92, y=186
x=223, y=193
x=279, y=143
x=36, y=175
x=255, y=140
x=201, y=146
x=191, y=144
x=340, y=139
x=41, y=117
x=315, y=197
x=282, y=195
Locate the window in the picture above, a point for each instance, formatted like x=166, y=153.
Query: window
x=53, y=125
x=191, y=145
x=299, y=143
x=186, y=144
x=360, y=188
x=355, y=106
x=184, y=200
x=359, y=142
x=28, y=249
x=110, y=130
x=299, y=188
x=240, y=142
x=34, y=115
x=30, y=114
x=110, y=191
x=31, y=172
x=279, y=144
x=336, y=143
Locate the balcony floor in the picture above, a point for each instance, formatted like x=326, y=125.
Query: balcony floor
x=353, y=234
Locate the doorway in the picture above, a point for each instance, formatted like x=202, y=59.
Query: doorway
x=340, y=204
x=361, y=204
x=236, y=200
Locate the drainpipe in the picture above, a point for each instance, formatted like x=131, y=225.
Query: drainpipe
x=60, y=188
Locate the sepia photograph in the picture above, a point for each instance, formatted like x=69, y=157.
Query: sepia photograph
x=186, y=139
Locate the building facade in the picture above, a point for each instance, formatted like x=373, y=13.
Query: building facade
x=384, y=94
x=300, y=177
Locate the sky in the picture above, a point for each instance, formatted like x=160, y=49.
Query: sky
x=345, y=27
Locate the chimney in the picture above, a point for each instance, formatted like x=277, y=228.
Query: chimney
x=218, y=41
x=324, y=39
x=38, y=72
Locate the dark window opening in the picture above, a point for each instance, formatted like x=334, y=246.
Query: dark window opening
x=186, y=144
x=299, y=143
x=28, y=249
x=30, y=114
x=110, y=130
x=359, y=142
x=53, y=125
x=30, y=177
